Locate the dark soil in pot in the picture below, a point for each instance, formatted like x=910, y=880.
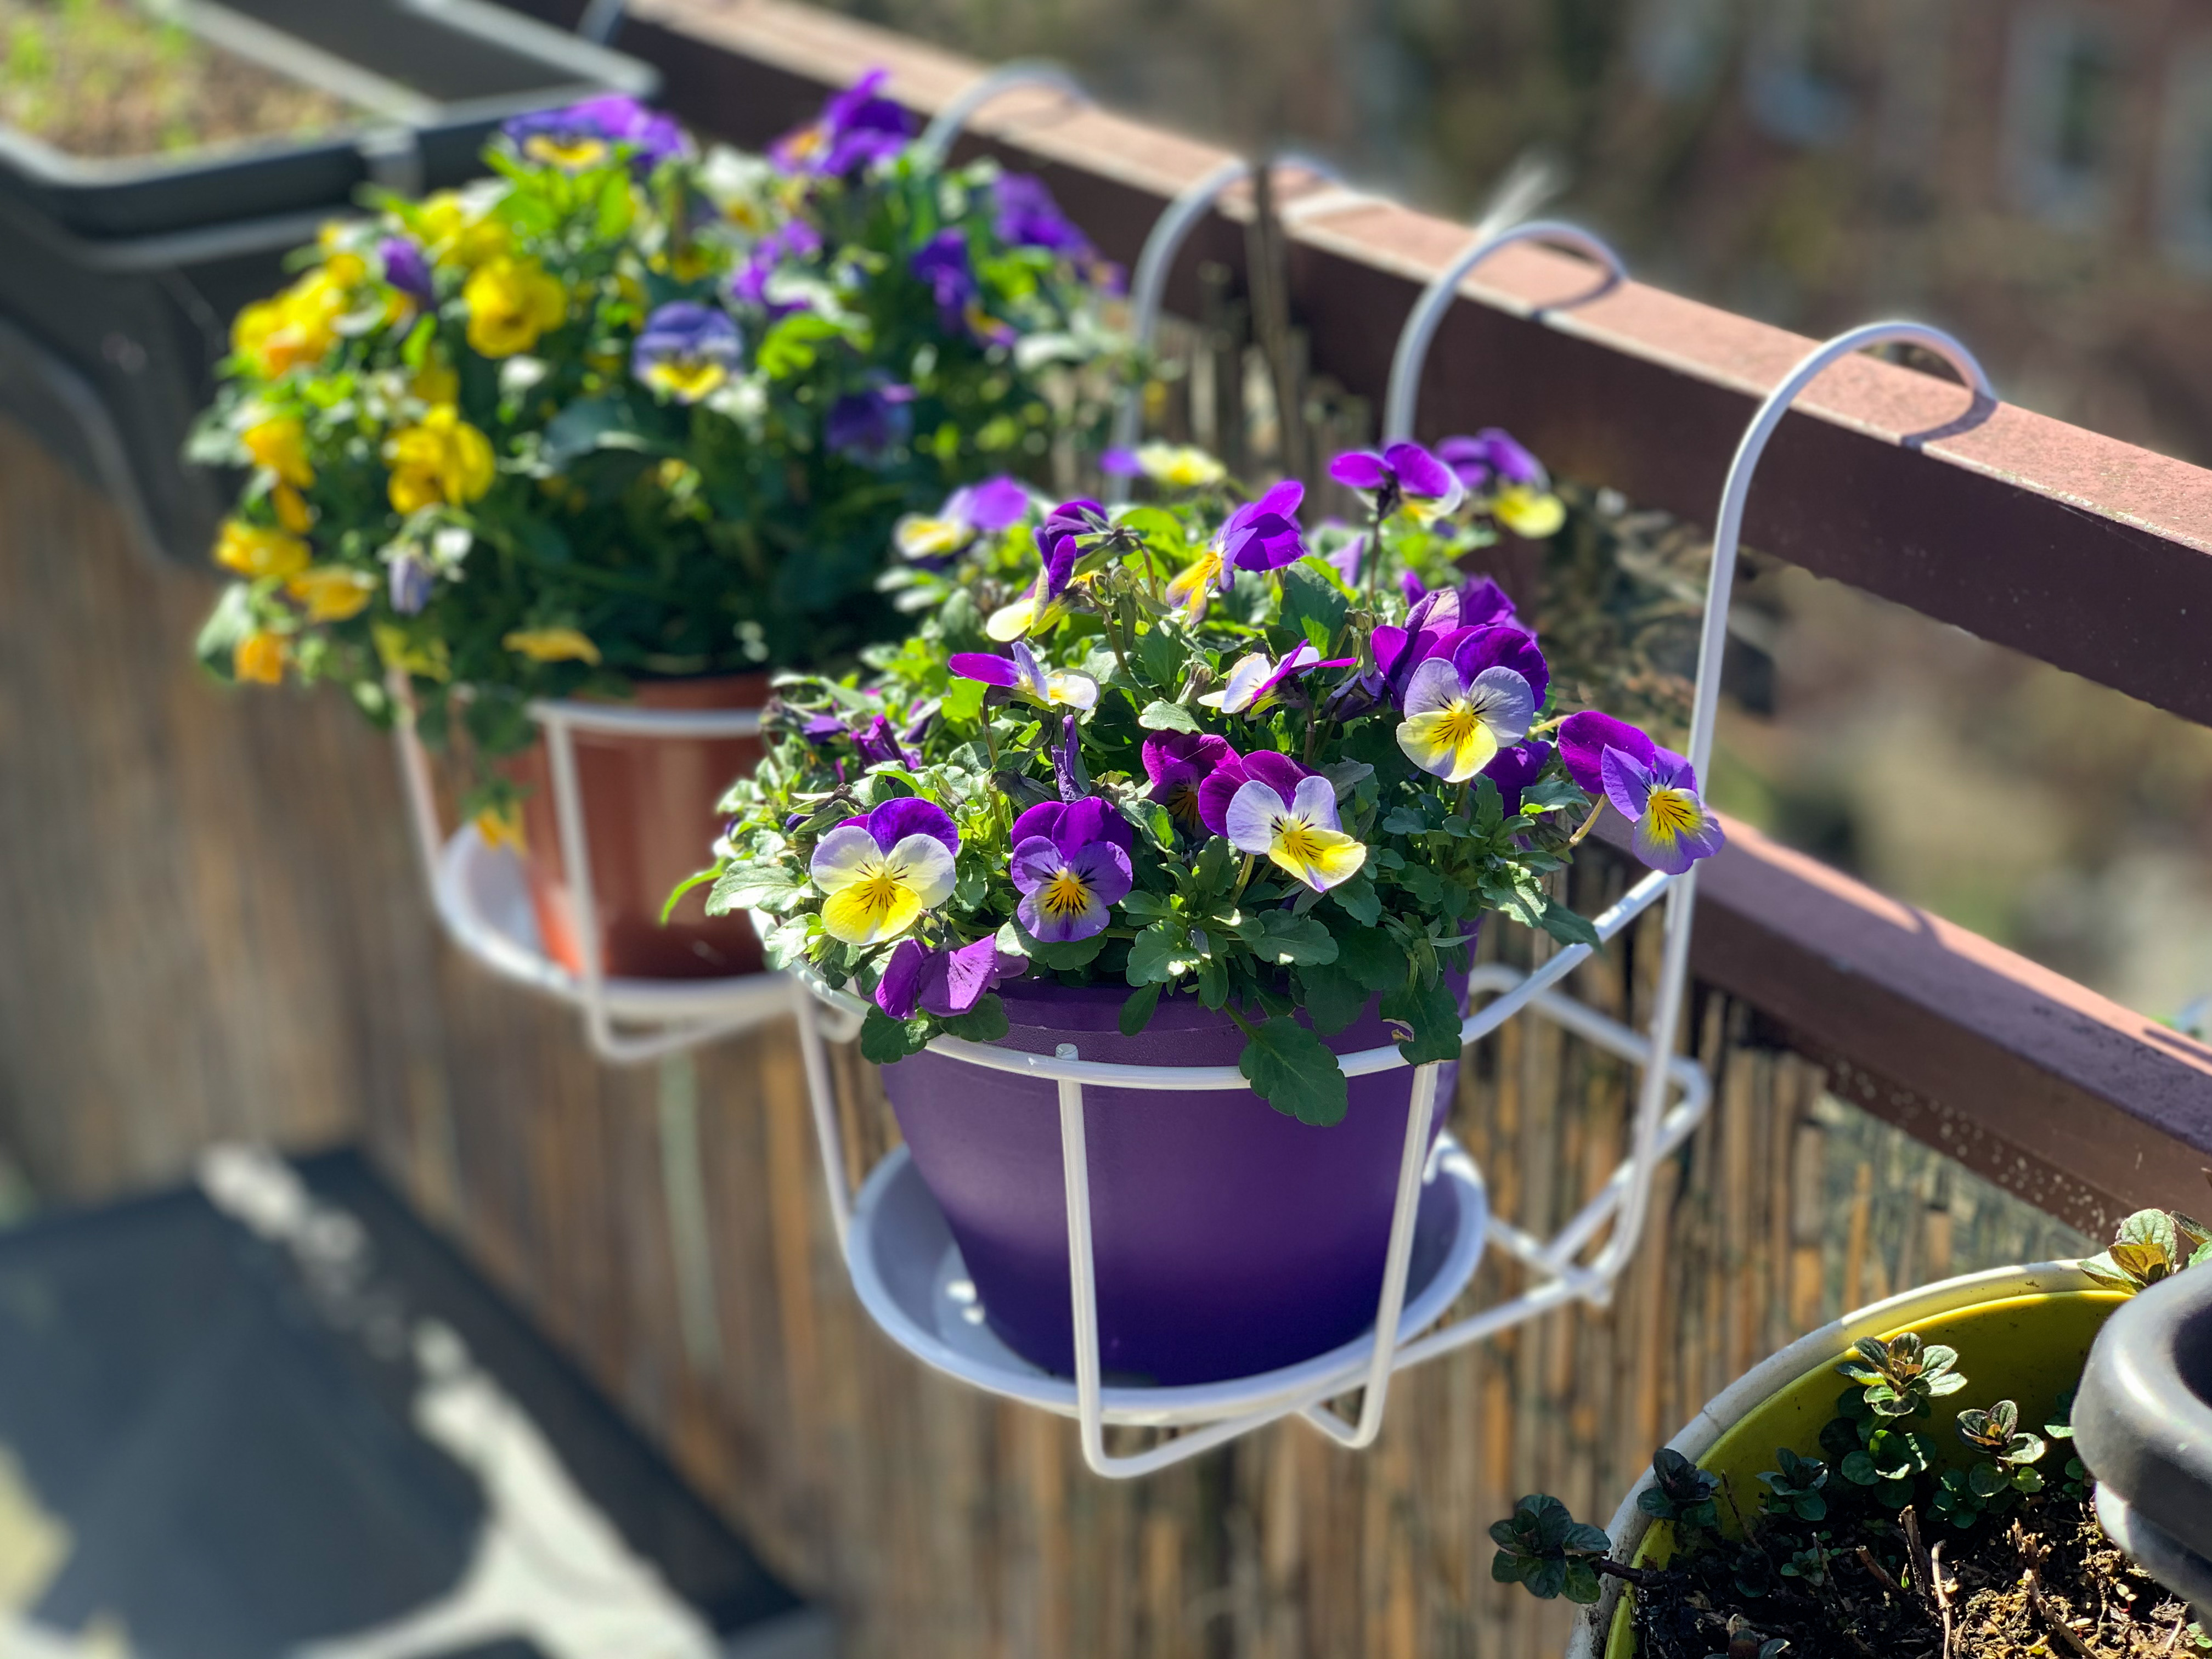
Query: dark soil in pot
x=1230, y=1238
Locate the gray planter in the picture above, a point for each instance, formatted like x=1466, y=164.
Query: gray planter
x=2143, y=1425
x=122, y=276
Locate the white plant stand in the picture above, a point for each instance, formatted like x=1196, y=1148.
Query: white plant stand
x=483, y=902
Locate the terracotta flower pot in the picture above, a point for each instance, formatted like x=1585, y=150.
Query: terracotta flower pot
x=649, y=818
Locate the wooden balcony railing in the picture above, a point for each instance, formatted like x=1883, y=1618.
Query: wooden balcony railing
x=2075, y=549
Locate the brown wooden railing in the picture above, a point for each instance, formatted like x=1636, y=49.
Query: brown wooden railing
x=2079, y=550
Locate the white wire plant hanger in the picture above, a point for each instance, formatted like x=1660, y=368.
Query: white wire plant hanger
x=897, y=1247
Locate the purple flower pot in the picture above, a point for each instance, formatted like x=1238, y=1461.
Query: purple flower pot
x=1230, y=1238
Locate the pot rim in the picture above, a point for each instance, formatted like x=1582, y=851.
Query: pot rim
x=1782, y=1370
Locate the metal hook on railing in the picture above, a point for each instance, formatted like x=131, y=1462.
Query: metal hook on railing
x=1428, y=312
x=944, y=126
x=1148, y=283
x=601, y=20
x=1728, y=532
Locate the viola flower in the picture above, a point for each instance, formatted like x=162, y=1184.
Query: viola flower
x=439, y=460
x=1262, y=535
x=332, y=593
x=1399, y=651
x=1219, y=788
x=941, y=264
x=511, y=303
x=1456, y=723
x=409, y=579
x=1494, y=463
x=1179, y=763
x=971, y=511
x=880, y=873
x=868, y=424
x=1179, y=466
x=552, y=645
x=1302, y=833
x=1474, y=604
x=1584, y=739
x=256, y=551
x=1071, y=862
x=1027, y=678
x=260, y=657
x=856, y=127
x=1256, y=681
x=685, y=350
x=1514, y=770
x=1039, y=607
x=948, y=982
x=1674, y=827
x=1349, y=559
x=1029, y=217
x=878, y=745
x=583, y=135
x=279, y=447
x=1404, y=477
x=407, y=269
x=756, y=282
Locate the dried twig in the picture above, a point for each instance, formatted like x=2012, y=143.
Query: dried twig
x=1881, y=1573
x=1924, y=1569
x=1942, y=1594
x=2048, y=1607
x=2181, y=1619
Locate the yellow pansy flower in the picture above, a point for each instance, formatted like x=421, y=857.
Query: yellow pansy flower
x=443, y=460
x=1533, y=514
x=511, y=302
x=298, y=326
x=457, y=234
x=552, y=645
x=260, y=657
x=501, y=826
x=435, y=382
x=279, y=444
x=292, y=509
x=331, y=592
x=431, y=659
x=260, y=550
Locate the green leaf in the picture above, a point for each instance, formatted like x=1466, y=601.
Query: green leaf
x=1280, y=936
x=1158, y=953
x=1333, y=997
x=1581, y=1582
x=614, y=206
x=1372, y=955
x=1568, y=926
x=1137, y=1011
x=1161, y=654
x=984, y=1022
x=1429, y=1011
x=1359, y=897
x=1294, y=1073
x=884, y=1041
x=1507, y=1568
x=591, y=424
x=696, y=878
x=792, y=346
x=231, y=621
x=1160, y=716
x=963, y=700
x=1312, y=607
x=754, y=885
x=1063, y=958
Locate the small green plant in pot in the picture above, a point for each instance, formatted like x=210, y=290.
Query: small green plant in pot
x=627, y=417
x=1186, y=784
x=1937, y=1509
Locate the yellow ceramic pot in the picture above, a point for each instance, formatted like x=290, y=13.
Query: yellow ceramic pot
x=2021, y=1333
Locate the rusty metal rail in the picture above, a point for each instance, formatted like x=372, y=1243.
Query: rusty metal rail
x=2075, y=549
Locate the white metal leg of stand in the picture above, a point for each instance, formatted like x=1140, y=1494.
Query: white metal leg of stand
x=627, y=1021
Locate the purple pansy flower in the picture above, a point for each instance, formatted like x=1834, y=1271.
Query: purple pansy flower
x=1655, y=789
x=1399, y=652
x=1262, y=535
x=1403, y=476
x=406, y=269
x=1025, y=677
x=855, y=128
x=1071, y=861
x=1038, y=607
x=755, y=282
x=1457, y=721
x=878, y=745
x=1584, y=739
x=580, y=135
x=1256, y=681
x=686, y=350
x=868, y=424
x=947, y=982
x=1029, y=217
x=1179, y=763
x=1348, y=560
x=941, y=265
x=1298, y=832
x=1493, y=453
x=881, y=873
x=1219, y=788
x=970, y=511
x=410, y=579
x=1516, y=769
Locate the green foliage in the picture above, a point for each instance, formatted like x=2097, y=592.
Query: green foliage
x=1543, y=1548
x=1797, y=1487
x=1902, y=1377
x=1679, y=1492
x=2151, y=1245
x=2000, y=1476
x=2073, y=1480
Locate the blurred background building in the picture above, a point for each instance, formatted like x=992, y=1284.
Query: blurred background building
x=2033, y=174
